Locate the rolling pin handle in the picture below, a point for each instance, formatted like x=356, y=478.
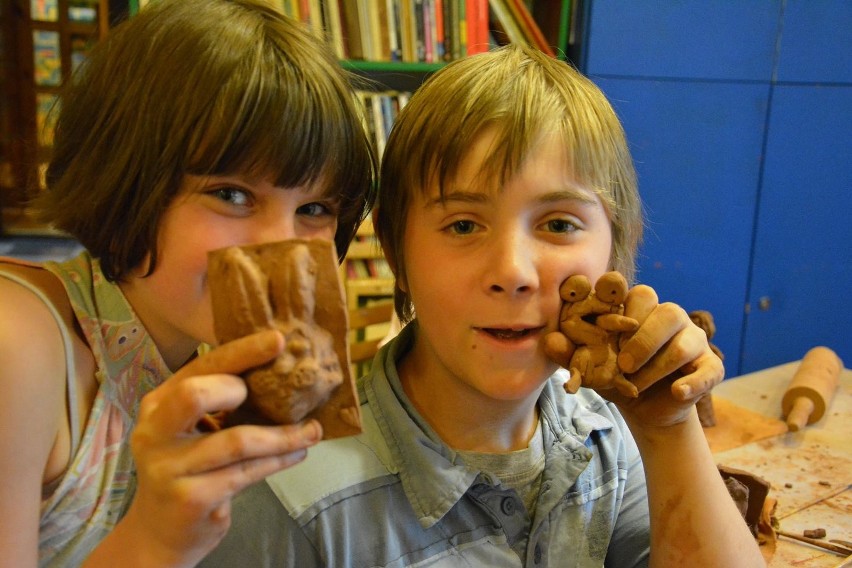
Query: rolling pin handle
x=800, y=413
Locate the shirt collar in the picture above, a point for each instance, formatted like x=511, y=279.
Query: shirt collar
x=433, y=475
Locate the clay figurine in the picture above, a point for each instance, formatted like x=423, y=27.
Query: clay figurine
x=590, y=325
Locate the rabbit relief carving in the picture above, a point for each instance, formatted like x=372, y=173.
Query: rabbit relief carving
x=304, y=375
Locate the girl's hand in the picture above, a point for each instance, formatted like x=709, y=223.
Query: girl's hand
x=186, y=479
x=668, y=359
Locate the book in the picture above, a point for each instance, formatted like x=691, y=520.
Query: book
x=506, y=28
x=451, y=30
x=440, y=45
x=351, y=28
x=314, y=18
x=477, y=26
x=393, y=25
x=409, y=31
x=334, y=27
x=529, y=27
x=47, y=59
x=419, y=32
x=368, y=39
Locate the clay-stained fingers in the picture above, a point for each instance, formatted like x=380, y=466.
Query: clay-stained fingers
x=640, y=302
x=657, y=328
x=699, y=377
x=683, y=348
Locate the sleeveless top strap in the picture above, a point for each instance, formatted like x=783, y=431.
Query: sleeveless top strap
x=70, y=370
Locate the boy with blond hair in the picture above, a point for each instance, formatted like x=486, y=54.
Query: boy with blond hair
x=507, y=173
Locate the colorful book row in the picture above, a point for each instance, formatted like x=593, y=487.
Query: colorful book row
x=380, y=111
x=409, y=31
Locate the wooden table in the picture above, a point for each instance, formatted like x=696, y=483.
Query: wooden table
x=810, y=471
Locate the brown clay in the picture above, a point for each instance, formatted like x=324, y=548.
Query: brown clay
x=812, y=388
x=292, y=286
x=704, y=405
x=749, y=493
x=591, y=323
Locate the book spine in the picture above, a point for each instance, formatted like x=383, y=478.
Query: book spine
x=440, y=45
x=334, y=27
x=419, y=35
x=392, y=7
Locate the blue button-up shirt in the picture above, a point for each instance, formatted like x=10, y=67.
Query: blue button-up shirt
x=397, y=496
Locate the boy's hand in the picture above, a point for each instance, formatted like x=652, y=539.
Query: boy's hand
x=186, y=479
x=668, y=359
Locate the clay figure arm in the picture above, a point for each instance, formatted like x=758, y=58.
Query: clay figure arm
x=186, y=479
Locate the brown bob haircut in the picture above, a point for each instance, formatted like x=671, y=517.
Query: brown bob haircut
x=201, y=87
x=522, y=93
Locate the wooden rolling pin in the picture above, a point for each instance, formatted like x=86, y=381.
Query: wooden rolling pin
x=812, y=388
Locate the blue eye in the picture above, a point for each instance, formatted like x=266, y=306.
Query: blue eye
x=232, y=195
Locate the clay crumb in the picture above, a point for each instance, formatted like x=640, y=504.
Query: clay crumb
x=825, y=483
x=788, y=485
x=814, y=533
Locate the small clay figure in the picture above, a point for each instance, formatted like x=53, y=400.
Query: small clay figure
x=256, y=288
x=591, y=323
x=704, y=405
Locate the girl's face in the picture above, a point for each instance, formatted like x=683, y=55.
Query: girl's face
x=484, y=268
x=211, y=213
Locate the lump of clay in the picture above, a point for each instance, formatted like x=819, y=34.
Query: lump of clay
x=593, y=321
x=704, y=405
x=749, y=493
x=292, y=286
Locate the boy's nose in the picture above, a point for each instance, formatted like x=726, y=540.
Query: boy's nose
x=512, y=268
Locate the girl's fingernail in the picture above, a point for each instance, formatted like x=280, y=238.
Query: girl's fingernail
x=685, y=391
x=311, y=431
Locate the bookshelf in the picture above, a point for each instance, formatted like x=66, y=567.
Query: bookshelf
x=365, y=272
x=43, y=41
x=393, y=71
x=393, y=44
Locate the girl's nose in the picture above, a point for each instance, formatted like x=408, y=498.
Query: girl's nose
x=271, y=231
x=511, y=269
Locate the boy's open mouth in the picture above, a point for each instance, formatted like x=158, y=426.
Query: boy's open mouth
x=507, y=333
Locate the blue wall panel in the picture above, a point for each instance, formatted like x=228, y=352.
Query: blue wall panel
x=816, y=42
x=803, y=252
x=697, y=148
x=707, y=39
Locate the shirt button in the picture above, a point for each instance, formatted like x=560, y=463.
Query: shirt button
x=537, y=554
x=507, y=505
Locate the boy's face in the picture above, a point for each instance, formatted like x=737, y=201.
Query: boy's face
x=211, y=213
x=484, y=268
